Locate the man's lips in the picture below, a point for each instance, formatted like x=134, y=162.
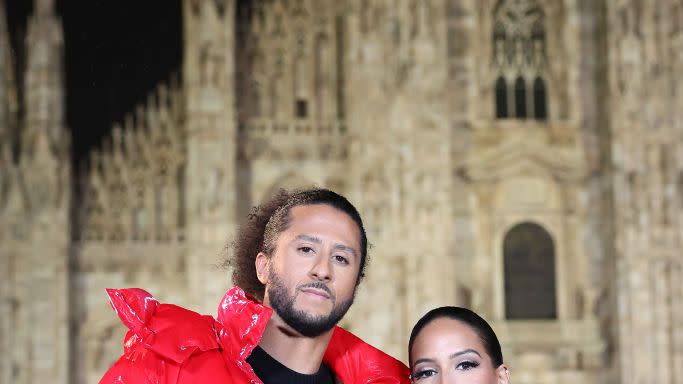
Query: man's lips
x=316, y=291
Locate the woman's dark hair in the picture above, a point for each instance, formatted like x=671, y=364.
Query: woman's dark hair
x=260, y=231
x=479, y=326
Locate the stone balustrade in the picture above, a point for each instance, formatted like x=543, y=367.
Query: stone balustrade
x=305, y=127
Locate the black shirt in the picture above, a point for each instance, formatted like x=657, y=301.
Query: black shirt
x=271, y=371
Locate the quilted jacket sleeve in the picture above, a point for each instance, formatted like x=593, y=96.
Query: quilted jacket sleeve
x=137, y=364
x=165, y=343
x=148, y=369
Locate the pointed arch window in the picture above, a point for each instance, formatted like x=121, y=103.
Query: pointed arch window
x=540, y=107
x=520, y=98
x=529, y=267
x=501, y=98
x=519, y=47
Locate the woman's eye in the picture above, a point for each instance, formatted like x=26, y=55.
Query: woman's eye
x=467, y=365
x=423, y=374
x=341, y=259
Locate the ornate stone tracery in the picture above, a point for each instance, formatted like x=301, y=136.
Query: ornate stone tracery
x=520, y=59
x=133, y=190
x=297, y=60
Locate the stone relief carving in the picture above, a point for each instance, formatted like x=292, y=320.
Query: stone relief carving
x=212, y=65
x=132, y=188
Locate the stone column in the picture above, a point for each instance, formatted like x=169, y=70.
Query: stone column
x=646, y=155
x=400, y=160
x=208, y=75
x=369, y=66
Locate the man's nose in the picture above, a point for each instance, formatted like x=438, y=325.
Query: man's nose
x=321, y=269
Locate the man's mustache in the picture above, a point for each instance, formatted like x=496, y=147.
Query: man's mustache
x=318, y=285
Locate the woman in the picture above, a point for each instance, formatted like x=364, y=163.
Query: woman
x=455, y=345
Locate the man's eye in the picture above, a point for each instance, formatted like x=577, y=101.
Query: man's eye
x=423, y=374
x=341, y=259
x=305, y=249
x=467, y=365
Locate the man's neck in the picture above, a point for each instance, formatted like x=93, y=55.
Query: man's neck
x=298, y=353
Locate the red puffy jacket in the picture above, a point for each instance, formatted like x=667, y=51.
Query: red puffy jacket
x=167, y=344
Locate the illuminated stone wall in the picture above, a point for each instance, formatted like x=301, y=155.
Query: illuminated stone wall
x=448, y=122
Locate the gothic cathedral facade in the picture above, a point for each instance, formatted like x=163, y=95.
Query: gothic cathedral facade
x=523, y=158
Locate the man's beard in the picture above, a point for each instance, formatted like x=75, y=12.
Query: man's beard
x=306, y=324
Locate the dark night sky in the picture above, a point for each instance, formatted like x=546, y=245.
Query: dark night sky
x=116, y=51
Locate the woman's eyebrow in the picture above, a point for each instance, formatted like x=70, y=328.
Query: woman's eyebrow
x=423, y=360
x=464, y=351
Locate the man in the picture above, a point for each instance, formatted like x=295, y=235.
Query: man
x=303, y=254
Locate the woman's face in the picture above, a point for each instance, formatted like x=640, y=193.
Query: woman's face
x=449, y=351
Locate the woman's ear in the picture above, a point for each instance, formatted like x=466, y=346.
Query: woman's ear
x=262, y=267
x=502, y=374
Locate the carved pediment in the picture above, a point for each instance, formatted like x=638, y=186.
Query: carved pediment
x=525, y=157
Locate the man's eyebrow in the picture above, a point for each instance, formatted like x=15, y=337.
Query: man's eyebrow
x=340, y=247
x=345, y=248
x=464, y=351
x=310, y=238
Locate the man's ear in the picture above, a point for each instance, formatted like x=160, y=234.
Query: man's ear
x=262, y=267
x=502, y=374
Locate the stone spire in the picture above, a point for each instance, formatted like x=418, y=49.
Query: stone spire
x=40, y=272
x=44, y=139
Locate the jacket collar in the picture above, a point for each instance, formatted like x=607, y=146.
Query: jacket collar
x=242, y=321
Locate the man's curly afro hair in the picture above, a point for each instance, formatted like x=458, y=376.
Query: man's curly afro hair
x=260, y=231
